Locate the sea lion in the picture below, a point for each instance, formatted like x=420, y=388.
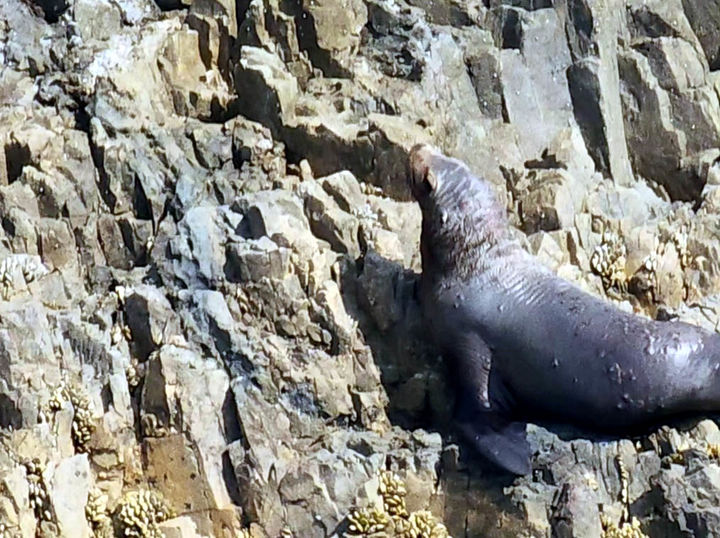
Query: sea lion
x=524, y=344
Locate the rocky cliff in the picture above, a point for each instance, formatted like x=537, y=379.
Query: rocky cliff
x=208, y=256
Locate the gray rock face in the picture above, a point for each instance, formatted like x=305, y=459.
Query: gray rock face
x=208, y=254
x=705, y=21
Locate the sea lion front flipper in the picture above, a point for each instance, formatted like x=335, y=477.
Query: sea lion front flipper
x=472, y=359
x=502, y=442
x=481, y=409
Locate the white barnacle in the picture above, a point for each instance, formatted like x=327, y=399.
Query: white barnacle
x=132, y=373
x=121, y=292
x=116, y=334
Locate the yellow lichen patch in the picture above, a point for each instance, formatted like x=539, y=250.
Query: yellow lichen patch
x=713, y=451
x=139, y=513
x=625, y=530
x=368, y=523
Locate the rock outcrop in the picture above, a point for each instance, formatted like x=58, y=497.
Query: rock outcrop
x=208, y=256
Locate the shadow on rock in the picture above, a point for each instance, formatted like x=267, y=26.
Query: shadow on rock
x=580, y=483
x=381, y=295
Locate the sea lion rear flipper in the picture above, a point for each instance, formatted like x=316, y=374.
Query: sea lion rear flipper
x=502, y=442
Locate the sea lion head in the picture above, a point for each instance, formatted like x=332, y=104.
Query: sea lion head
x=443, y=182
x=461, y=215
x=422, y=179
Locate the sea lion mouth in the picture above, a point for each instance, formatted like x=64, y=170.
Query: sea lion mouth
x=422, y=180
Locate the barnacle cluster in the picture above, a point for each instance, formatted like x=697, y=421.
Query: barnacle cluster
x=392, y=490
x=119, y=330
x=95, y=508
x=132, y=374
x=624, y=487
x=649, y=269
x=83, y=424
x=139, y=513
x=116, y=334
x=97, y=515
x=27, y=267
x=680, y=238
x=591, y=481
x=625, y=530
x=628, y=527
x=53, y=404
x=713, y=451
x=121, y=293
x=422, y=524
x=152, y=427
x=608, y=261
x=368, y=522
x=675, y=457
x=37, y=490
x=6, y=531
x=393, y=519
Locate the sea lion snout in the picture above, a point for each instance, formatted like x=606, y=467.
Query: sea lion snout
x=422, y=180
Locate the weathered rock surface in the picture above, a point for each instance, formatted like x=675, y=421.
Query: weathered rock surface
x=208, y=254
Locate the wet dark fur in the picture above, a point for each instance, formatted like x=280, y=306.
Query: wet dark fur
x=524, y=344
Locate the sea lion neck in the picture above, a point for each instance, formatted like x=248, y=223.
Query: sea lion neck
x=463, y=223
